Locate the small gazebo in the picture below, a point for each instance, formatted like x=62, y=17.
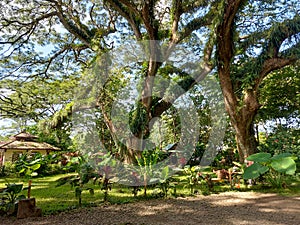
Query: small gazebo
x=21, y=143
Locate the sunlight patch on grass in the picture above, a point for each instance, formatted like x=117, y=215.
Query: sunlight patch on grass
x=53, y=199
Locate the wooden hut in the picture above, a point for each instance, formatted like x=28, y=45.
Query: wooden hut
x=21, y=143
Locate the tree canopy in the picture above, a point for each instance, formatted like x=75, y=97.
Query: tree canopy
x=279, y=96
x=243, y=41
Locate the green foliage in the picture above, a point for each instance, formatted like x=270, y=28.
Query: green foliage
x=85, y=172
x=254, y=171
x=138, y=119
x=282, y=101
x=165, y=181
x=260, y=157
x=282, y=140
x=30, y=165
x=146, y=164
x=58, y=137
x=274, y=168
x=27, y=165
x=39, y=84
x=100, y=172
x=54, y=199
x=10, y=197
x=8, y=170
x=193, y=177
x=284, y=163
x=105, y=168
x=35, y=99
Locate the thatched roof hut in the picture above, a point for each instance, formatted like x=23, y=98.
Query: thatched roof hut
x=21, y=143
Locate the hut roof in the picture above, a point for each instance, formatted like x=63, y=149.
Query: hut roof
x=26, y=141
x=24, y=136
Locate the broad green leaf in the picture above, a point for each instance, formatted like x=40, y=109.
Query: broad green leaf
x=284, y=165
x=35, y=167
x=165, y=173
x=22, y=170
x=15, y=188
x=282, y=155
x=20, y=197
x=260, y=157
x=254, y=171
x=34, y=162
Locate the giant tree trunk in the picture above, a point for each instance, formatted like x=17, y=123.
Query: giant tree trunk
x=242, y=111
x=241, y=106
x=245, y=139
x=244, y=125
x=133, y=151
x=242, y=120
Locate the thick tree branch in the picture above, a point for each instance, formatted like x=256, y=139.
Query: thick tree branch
x=272, y=65
x=131, y=7
x=176, y=13
x=129, y=16
x=271, y=59
x=194, y=25
x=149, y=19
x=189, y=82
x=77, y=32
x=225, y=53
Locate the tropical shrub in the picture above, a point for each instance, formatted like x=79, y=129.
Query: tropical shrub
x=193, y=177
x=164, y=181
x=274, y=169
x=28, y=164
x=10, y=197
x=8, y=169
x=146, y=164
x=84, y=173
x=96, y=168
x=281, y=140
x=38, y=165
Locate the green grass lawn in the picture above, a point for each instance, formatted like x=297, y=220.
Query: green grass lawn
x=52, y=199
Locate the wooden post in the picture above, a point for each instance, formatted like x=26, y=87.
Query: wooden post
x=29, y=188
x=230, y=177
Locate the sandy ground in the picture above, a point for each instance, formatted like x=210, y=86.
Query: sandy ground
x=225, y=208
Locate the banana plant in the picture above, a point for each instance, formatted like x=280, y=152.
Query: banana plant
x=28, y=167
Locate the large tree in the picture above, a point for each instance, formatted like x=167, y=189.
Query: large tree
x=245, y=33
x=86, y=36
x=254, y=38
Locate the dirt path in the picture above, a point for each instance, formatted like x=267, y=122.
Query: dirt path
x=226, y=208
